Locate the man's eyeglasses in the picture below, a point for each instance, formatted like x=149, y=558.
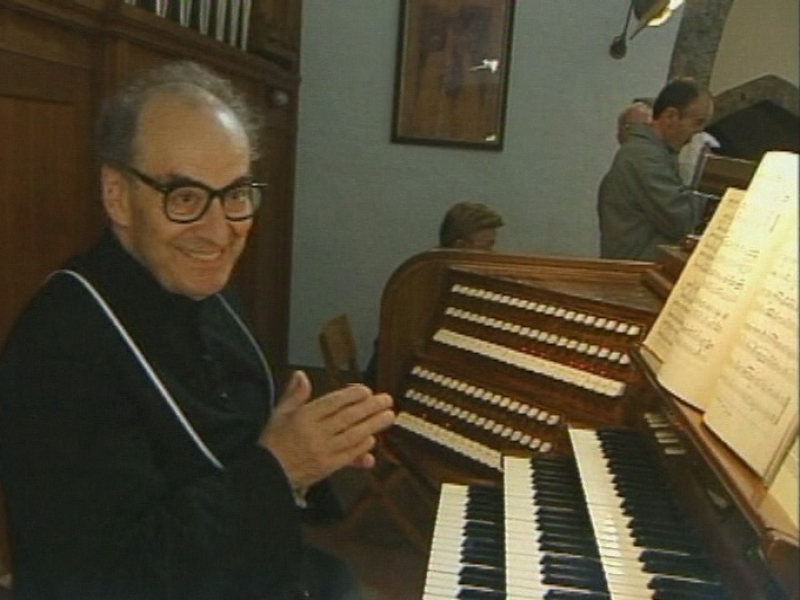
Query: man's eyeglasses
x=187, y=200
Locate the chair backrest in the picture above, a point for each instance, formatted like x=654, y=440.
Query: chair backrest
x=339, y=352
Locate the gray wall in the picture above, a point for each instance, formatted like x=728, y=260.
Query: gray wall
x=760, y=38
x=364, y=205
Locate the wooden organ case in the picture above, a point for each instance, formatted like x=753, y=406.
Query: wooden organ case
x=496, y=355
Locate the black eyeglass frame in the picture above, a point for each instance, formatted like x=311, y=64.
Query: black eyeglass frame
x=167, y=188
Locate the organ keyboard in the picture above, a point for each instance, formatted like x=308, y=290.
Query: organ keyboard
x=601, y=525
x=543, y=344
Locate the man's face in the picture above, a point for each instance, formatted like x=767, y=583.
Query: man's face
x=177, y=138
x=684, y=125
x=483, y=239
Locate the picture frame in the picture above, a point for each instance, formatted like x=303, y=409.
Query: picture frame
x=451, y=79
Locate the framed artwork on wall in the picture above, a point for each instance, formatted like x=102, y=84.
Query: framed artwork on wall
x=452, y=71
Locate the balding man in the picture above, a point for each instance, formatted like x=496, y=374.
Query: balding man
x=145, y=455
x=637, y=113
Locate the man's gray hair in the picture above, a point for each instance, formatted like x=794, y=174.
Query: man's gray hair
x=117, y=126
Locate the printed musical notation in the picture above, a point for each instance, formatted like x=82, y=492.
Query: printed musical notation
x=668, y=328
x=727, y=337
x=710, y=301
x=756, y=397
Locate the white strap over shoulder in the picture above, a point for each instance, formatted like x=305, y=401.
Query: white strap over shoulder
x=147, y=368
x=254, y=344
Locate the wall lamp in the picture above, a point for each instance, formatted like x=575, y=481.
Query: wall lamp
x=648, y=13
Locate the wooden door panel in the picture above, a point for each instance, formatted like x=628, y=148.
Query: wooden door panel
x=49, y=209
x=265, y=268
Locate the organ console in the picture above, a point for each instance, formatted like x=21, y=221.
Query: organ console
x=487, y=354
x=523, y=401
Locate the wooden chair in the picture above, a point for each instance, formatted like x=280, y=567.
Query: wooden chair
x=339, y=351
x=5, y=552
x=341, y=364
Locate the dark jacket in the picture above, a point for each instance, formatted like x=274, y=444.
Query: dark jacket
x=108, y=495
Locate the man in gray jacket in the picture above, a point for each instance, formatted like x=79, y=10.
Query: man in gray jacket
x=642, y=201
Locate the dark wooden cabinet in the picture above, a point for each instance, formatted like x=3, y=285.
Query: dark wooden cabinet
x=58, y=59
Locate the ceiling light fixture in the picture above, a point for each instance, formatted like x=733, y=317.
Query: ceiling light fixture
x=648, y=13
x=652, y=13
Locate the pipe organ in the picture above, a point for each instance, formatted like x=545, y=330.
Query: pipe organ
x=563, y=470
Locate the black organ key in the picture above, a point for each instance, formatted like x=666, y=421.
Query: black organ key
x=689, y=589
x=642, y=533
x=694, y=567
x=479, y=594
x=575, y=595
x=601, y=526
x=550, y=547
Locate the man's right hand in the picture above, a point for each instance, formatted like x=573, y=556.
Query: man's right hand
x=313, y=439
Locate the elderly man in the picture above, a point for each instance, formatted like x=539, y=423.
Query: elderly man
x=634, y=114
x=642, y=201
x=143, y=454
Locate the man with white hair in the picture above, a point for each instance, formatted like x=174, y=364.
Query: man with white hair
x=636, y=113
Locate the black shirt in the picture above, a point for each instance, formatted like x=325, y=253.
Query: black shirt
x=108, y=494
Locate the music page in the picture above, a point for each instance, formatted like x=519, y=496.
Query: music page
x=713, y=302
x=753, y=407
x=669, y=324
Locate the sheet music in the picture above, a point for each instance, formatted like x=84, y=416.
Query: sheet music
x=712, y=303
x=670, y=321
x=754, y=405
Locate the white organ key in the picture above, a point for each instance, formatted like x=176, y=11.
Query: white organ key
x=450, y=439
x=535, y=364
x=461, y=509
x=618, y=550
x=522, y=553
x=441, y=580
